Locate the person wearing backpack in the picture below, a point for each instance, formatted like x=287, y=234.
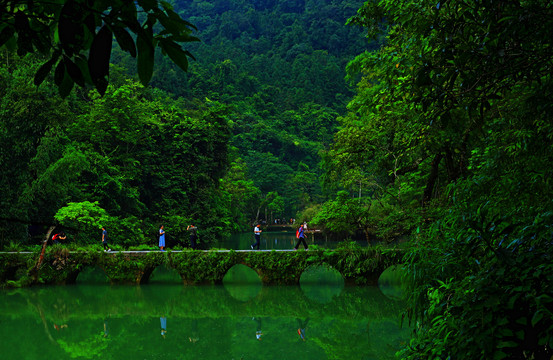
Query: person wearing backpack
x=301, y=238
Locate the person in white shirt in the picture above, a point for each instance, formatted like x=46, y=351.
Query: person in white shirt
x=257, y=235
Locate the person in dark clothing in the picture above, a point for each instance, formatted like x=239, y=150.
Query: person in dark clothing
x=301, y=238
x=193, y=235
x=105, y=239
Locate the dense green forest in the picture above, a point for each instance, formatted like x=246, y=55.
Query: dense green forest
x=449, y=136
x=446, y=142
x=234, y=140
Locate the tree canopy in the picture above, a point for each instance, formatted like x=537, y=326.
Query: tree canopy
x=76, y=37
x=450, y=131
x=241, y=131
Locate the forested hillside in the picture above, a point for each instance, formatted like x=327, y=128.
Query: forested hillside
x=449, y=138
x=235, y=139
x=280, y=65
x=445, y=142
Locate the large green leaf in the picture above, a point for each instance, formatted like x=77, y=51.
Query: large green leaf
x=59, y=73
x=74, y=71
x=175, y=52
x=98, y=59
x=24, y=34
x=145, y=59
x=82, y=63
x=125, y=40
x=148, y=4
x=66, y=84
x=70, y=27
x=44, y=70
x=6, y=33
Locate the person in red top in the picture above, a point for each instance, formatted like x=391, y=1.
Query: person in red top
x=57, y=237
x=301, y=238
x=302, y=326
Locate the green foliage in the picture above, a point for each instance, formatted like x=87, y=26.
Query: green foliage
x=496, y=285
x=275, y=98
x=240, y=196
x=86, y=217
x=451, y=125
x=67, y=31
x=139, y=156
x=284, y=80
x=308, y=214
x=376, y=218
x=87, y=348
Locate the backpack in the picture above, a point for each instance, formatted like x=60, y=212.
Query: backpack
x=298, y=233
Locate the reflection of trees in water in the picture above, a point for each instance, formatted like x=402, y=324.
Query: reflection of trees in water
x=62, y=304
x=208, y=313
x=54, y=314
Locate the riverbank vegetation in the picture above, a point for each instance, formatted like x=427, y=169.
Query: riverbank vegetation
x=450, y=135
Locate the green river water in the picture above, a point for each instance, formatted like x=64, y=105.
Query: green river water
x=276, y=240
x=241, y=319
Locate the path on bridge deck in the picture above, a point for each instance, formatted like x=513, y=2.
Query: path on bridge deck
x=158, y=251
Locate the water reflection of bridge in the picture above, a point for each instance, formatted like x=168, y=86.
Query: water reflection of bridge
x=88, y=301
x=359, y=266
x=86, y=321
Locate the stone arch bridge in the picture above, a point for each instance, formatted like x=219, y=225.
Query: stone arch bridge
x=357, y=266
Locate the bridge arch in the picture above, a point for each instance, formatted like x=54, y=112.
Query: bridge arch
x=357, y=266
x=161, y=273
x=242, y=282
x=321, y=283
x=88, y=274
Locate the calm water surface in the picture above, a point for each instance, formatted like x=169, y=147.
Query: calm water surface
x=321, y=319
x=276, y=240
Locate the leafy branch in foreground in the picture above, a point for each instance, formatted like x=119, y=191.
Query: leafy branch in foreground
x=66, y=31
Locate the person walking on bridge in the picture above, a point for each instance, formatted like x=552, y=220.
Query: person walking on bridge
x=105, y=239
x=301, y=238
x=193, y=235
x=257, y=235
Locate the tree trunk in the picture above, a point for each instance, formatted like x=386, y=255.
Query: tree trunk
x=257, y=215
x=366, y=231
x=427, y=196
x=41, y=257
